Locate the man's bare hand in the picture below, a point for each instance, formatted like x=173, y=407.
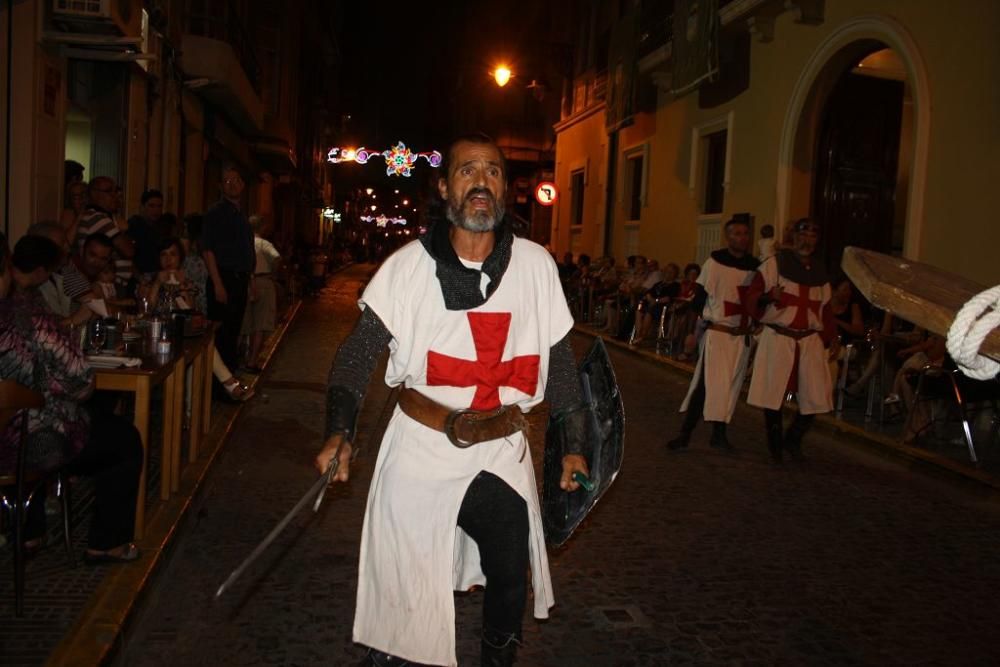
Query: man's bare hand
x=329, y=451
x=572, y=463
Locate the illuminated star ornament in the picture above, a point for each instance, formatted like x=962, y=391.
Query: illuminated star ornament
x=399, y=159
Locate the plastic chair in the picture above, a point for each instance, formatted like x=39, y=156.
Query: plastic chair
x=15, y=401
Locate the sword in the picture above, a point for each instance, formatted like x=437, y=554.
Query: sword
x=318, y=489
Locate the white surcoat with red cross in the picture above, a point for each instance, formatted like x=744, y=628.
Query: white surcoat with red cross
x=722, y=356
x=783, y=363
x=413, y=554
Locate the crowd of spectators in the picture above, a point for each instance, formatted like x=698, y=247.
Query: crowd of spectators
x=874, y=357
x=92, y=265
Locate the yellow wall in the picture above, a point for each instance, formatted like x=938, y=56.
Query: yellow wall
x=582, y=145
x=961, y=54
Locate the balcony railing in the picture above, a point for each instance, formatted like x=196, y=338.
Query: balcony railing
x=656, y=26
x=220, y=19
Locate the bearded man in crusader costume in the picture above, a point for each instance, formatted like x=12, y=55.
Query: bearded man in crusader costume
x=725, y=347
x=476, y=325
x=790, y=295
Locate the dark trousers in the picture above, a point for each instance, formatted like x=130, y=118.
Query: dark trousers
x=496, y=517
x=113, y=457
x=229, y=314
x=696, y=406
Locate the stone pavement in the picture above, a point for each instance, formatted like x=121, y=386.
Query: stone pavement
x=692, y=558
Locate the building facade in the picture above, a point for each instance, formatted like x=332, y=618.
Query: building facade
x=161, y=94
x=874, y=116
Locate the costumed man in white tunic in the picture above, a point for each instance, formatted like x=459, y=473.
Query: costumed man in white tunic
x=725, y=346
x=477, y=328
x=790, y=294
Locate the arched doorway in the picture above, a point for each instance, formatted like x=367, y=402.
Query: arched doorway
x=853, y=150
x=861, y=162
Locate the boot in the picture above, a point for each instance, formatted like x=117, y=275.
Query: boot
x=499, y=649
x=793, y=437
x=680, y=443
x=719, y=439
x=772, y=419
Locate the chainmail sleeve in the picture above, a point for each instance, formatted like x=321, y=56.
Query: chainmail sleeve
x=562, y=390
x=351, y=371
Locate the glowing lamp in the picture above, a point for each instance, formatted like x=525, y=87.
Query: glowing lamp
x=502, y=75
x=369, y=191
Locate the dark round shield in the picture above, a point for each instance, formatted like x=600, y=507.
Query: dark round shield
x=603, y=446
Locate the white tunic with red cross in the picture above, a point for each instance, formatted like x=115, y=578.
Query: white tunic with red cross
x=723, y=356
x=413, y=555
x=785, y=364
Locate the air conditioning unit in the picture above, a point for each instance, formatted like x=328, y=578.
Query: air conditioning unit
x=99, y=17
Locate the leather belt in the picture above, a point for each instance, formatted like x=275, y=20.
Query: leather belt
x=732, y=331
x=464, y=427
x=797, y=334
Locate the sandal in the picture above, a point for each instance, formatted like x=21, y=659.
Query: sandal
x=236, y=390
x=129, y=552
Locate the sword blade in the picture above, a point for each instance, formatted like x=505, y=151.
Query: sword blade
x=317, y=489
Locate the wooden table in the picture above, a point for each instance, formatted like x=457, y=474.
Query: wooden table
x=168, y=370
x=198, y=354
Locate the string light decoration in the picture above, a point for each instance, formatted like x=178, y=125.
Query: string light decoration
x=383, y=220
x=399, y=159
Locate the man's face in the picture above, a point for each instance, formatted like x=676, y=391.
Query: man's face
x=103, y=195
x=153, y=209
x=95, y=257
x=738, y=239
x=232, y=184
x=805, y=241
x=475, y=186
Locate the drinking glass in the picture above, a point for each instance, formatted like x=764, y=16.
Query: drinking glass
x=98, y=334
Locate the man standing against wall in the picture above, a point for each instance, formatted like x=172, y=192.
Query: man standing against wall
x=227, y=241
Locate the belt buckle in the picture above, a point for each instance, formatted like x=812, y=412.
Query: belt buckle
x=449, y=427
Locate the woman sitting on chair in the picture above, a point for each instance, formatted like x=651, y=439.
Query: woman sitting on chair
x=36, y=353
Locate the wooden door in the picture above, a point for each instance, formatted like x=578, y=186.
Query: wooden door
x=858, y=151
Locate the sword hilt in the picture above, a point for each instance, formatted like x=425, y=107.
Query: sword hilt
x=331, y=470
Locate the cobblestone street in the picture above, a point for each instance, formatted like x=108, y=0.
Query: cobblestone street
x=692, y=558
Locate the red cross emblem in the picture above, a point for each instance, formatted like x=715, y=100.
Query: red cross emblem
x=730, y=308
x=486, y=372
x=803, y=305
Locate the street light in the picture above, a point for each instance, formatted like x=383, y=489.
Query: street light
x=502, y=75
x=369, y=191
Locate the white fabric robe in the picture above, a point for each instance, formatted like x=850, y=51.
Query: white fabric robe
x=413, y=555
x=722, y=356
x=775, y=356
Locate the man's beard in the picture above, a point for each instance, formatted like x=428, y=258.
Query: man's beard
x=478, y=220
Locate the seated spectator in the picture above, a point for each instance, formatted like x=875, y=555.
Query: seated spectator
x=846, y=311
x=686, y=319
x=194, y=266
x=76, y=202
x=171, y=289
x=145, y=232
x=567, y=268
x=36, y=353
x=656, y=298
x=765, y=246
